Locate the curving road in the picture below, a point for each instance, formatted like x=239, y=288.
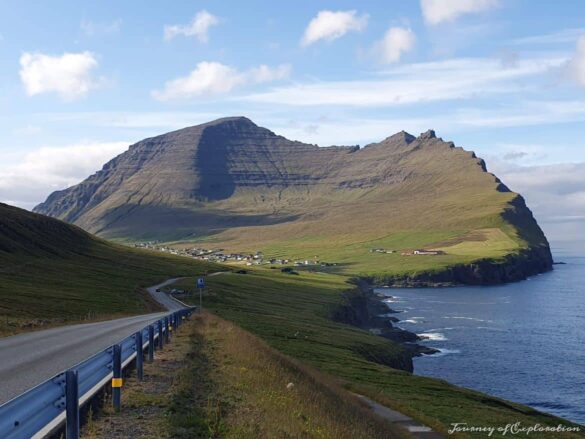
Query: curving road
x=164, y=299
x=29, y=359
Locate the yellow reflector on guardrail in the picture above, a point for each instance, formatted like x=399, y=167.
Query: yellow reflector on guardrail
x=116, y=382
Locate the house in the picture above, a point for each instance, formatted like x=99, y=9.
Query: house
x=428, y=252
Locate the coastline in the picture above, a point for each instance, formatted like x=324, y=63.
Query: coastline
x=513, y=267
x=366, y=309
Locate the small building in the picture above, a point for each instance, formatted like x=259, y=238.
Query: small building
x=428, y=252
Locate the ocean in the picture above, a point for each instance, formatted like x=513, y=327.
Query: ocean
x=524, y=342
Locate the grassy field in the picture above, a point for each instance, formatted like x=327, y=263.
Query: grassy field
x=217, y=381
x=52, y=273
x=464, y=231
x=291, y=314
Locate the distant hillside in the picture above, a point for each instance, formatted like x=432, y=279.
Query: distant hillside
x=52, y=272
x=231, y=184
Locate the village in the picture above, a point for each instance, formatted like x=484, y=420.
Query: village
x=220, y=256
x=258, y=258
x=418, y=252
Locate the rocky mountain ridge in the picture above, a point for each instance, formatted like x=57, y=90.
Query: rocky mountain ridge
x=238, y=185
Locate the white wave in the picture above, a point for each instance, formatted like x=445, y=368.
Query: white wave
x=443, y=352
x=475, y=319
x=413, y=320
x=432, y=336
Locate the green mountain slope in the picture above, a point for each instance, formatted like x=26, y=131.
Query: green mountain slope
x=52, y=272
x=231, y=184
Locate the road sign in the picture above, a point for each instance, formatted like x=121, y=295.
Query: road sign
x=201, y=283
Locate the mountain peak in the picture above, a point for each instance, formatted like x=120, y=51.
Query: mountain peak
x=403, y=136
x=231, y=120
x=429, y=134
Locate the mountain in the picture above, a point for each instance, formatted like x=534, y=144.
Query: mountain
x=234, y=185
x=52, y=272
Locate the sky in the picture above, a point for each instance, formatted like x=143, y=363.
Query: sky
x=81, y=81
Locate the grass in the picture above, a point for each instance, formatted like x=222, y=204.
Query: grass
x=52, y=273
x=291, y=314
x=216, y=380
x=253, y=391
x=296, y=202
x=465, y=226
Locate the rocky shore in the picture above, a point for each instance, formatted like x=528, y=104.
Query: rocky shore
x=366, y=309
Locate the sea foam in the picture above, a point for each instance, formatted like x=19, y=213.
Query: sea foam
x=432, y=336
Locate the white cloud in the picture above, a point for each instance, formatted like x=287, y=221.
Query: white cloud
x=217, y=78
x=396, y=42
x=577, y=63
x=149, y=123
x=93, y=28
x=526, y=114
x=38, y=173
x=330, y=25
x=562, y=36
x=439, y=11
x=415, y=83
x=198, y=28
x=68, y=75
x=555, y=193
x=27, y=130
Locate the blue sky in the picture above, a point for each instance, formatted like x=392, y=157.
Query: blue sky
x=80, y=81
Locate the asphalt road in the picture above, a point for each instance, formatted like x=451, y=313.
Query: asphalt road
x=163, y=298
x=29, y=359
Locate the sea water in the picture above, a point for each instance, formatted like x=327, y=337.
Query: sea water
x=524, y=342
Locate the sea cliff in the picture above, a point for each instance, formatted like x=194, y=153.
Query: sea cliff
x=364, y=309
x=512, y=268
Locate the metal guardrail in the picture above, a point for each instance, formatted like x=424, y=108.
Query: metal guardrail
x=43, y=409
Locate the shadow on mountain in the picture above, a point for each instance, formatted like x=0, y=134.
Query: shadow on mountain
x=211, y=161
x=135, y=221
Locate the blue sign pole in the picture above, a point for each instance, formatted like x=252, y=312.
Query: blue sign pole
x=200, y=285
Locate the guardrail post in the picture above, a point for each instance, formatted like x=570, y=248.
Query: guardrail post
x=139, y=356
x=117, y=377
x=167, y=335
x=160, y=334
x=72, y=404
x=150, y=343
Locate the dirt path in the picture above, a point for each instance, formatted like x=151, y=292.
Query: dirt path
x=416, y=429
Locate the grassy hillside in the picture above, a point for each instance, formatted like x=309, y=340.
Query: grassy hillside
x=52, y=272
x=216, y=380
x=291, y=313
x=232, y=185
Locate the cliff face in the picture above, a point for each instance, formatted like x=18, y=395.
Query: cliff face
x=513, y=268
x=234, y=185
